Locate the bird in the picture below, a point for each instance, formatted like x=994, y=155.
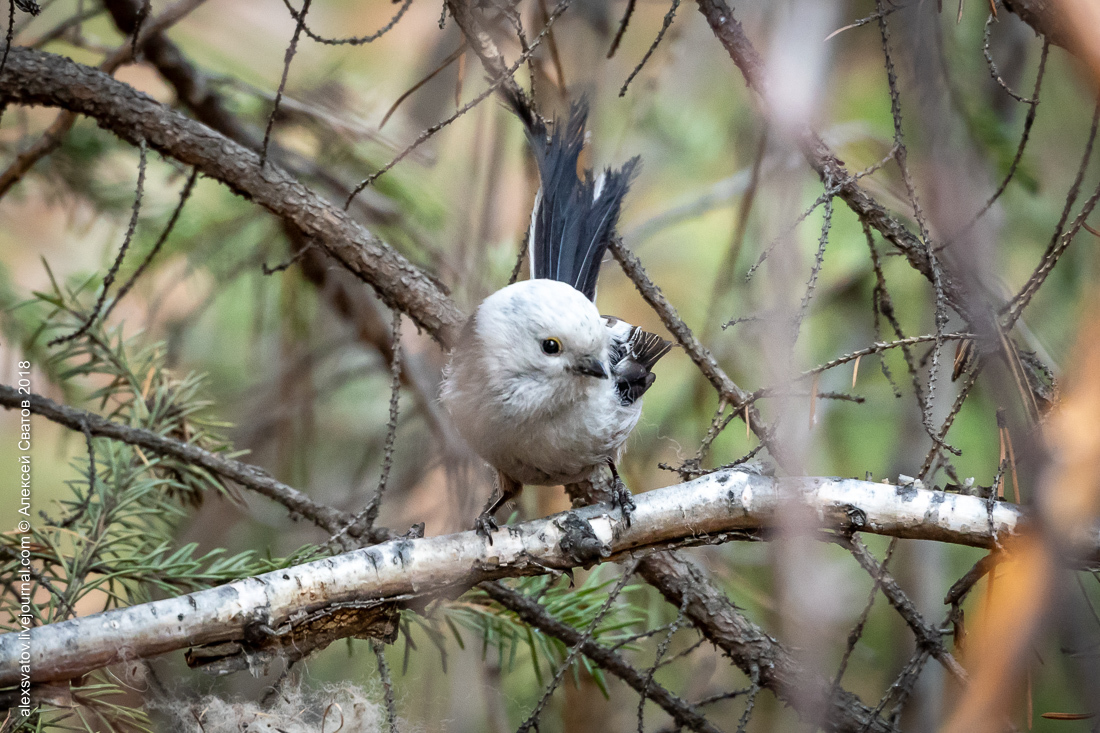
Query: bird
x=541, y=386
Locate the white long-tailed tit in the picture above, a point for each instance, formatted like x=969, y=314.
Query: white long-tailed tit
x=540, y=385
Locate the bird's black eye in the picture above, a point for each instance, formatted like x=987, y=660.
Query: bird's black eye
x=551, y=346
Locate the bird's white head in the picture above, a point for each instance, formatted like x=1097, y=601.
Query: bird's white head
x=546, y=338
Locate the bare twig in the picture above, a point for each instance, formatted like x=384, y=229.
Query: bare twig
x=184, y=195
x=431, y=75
x=662, y=648
x=750, y=648
x=351, y=40
x=880, y=346
x=1029, y=121
x=291, y=50
x=857, y=631
x=575, y=649
x=109, y=278
x=495, y=84
x=821, y=158
x=34, y=77
x=665, y=24
x=819, y=259
x=251, y=477
x=993, y=72
x=934, y=265
x=1061, y=238
x=55, y=134
x=927, y=637
x=370, y=514
x=627, y=15
x=699, y=354
x=532, y=613
x=379, y=650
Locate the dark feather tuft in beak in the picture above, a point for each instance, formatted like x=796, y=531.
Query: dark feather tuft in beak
x=590, y=366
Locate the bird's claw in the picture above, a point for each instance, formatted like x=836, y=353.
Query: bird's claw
x=623, y=499
x=484, y=526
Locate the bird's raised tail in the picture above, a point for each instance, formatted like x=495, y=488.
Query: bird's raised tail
x=574, y=218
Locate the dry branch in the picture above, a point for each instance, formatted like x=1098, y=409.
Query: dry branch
x=756, y=653
x=37, y=78
x=531, y=612
x=701, y=511
x=823, y=160
x=253, y=477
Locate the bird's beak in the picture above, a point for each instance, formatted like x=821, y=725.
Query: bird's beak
x=590, y=366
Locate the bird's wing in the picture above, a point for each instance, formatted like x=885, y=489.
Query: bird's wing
x=573, y=218
x=634, y=352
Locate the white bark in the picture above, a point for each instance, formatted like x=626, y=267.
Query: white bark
x=726, y=501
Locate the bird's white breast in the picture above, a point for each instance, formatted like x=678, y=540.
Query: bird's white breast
x=537, y=425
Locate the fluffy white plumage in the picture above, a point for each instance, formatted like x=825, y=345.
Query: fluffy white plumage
x=542, y=419
x=541, y=385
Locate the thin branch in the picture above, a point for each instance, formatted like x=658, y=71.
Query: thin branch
x=9, y=37
x=49, y=141
x=59, y=30
x=757, y=654
x=185, y=194
x=251, y=477
x=379, y=650
x=1029, y=121
x=880, y=346
x=662, y=649
x=820, y=157
x=55, y=134
x=370, y=514
x=864, y=21
x=993, y=72
x=827, y=195
x=535, y=615
x=291, y=50
x=956, y=407
x=109, y=279
x=493, y=86
x=927, y=637
x=665, y=24
x=726, y=270
x=627, y=15
x=819, y=260
x=857, y=630
x=902, y=156
x=289, y=262
x=1061, y=239
x=533, y=719
x=431, y=75
x=699, y=354
x=351, y=40
x=33, y=77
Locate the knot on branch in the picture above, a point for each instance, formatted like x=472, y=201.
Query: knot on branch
x=857, y=518
x=579, y=542
x=297, y=639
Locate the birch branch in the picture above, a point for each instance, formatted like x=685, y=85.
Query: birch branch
x=714, y=508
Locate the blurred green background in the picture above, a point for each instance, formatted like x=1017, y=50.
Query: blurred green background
x=306, y=389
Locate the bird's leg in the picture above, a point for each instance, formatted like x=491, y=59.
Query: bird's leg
x=508, y=487
x=620, y=495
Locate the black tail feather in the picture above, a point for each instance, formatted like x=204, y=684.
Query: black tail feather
x=633, y=356
x=571, y=226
